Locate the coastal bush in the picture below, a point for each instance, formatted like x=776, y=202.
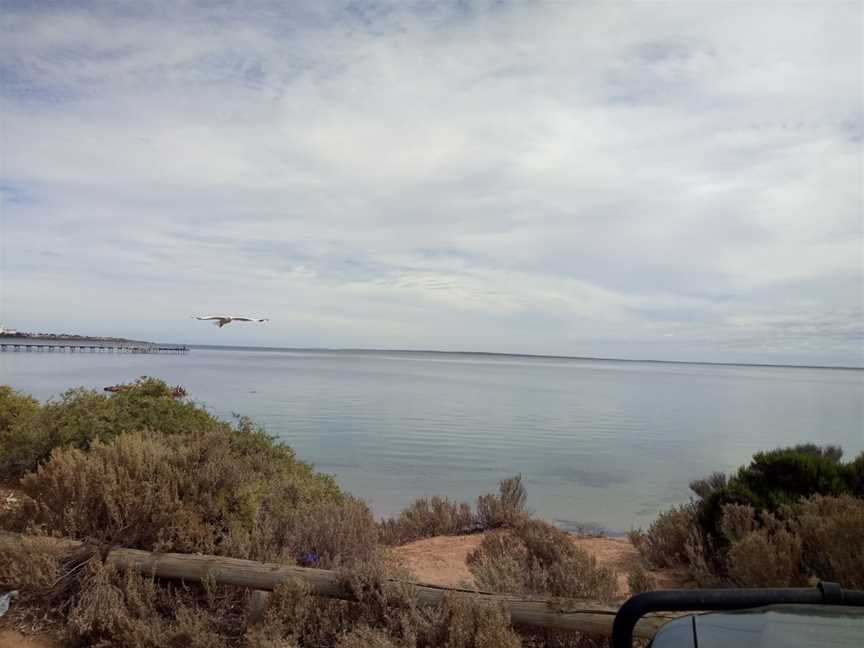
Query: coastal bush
x=385, y=614
x=14, y=407
x=435, y=516
x=759, y=514
x=665, y=542
x=831, y=530
x=765, y=556
x=83, y=416
x=223, y=491
x=506, y=509
x=537, y=558
x=129, y=610
x=428, y=517
x=640, y=579
x=779, y=477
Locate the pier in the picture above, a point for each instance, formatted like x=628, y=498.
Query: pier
x=89, y=347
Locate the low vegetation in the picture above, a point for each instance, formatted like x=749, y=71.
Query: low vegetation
x=82, y=417
x=790, y=516
x=436, y=516
x=145, y=468
x=536, y=558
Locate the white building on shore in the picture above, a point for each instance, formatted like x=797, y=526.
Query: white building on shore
x=7, y=331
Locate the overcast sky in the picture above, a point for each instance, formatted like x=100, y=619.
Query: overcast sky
x=674, y=180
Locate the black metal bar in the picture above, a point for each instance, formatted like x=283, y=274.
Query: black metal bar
x=686, y=600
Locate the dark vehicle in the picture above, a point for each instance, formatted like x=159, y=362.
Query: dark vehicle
x=749, y=618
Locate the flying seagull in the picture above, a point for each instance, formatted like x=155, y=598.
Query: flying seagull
x=222, y=320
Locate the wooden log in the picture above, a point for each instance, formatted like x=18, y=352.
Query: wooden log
x=257, y=606
x=587, y=617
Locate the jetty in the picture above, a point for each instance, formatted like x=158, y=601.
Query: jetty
x=31, y=346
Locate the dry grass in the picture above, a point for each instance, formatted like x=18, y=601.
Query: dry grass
x=537, y=558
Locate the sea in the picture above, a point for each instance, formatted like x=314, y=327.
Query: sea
x=601, y=444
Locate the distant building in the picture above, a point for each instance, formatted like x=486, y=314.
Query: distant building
x=7, y=331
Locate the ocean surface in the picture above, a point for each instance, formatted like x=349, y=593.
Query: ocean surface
x=600, y=442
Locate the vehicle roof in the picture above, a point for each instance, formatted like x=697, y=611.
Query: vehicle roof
x=773, y=626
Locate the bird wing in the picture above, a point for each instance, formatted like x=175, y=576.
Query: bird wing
x=210, y=317
x=243, y=319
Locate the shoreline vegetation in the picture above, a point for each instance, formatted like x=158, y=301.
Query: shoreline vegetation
x=146, y=468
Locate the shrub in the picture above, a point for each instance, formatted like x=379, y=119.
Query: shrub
x=83, y=416
x=767, y=557
x=708, y=485
x=855, y=476
x=739, y=520
x=428, y=517
x=640, y=580
x=664, y=544
x=537, y=558
x=365, y=637
x=464, y=623
x=506, y=509
x=777, y=478
x=14, y=408
x=333, y=534
x=385, y=614
x=220, y=492
x=129, y=610
x=831, y=531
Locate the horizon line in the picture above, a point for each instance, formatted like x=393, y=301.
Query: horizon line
x=529, y=355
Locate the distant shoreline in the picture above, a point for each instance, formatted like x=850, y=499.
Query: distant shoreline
x=490, y=354
x=495, y=354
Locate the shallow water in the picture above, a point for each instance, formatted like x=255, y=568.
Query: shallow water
x=599, y=442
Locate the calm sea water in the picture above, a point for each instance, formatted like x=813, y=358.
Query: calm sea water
x=601, y=442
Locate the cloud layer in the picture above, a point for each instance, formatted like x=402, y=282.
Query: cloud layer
x=664, y=180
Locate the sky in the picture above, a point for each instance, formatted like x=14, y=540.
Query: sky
x=670, y=180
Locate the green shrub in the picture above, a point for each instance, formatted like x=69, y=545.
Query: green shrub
x=778, y=478
x=14, y=408
x=229, y=492
x=855, y=476
x=83, y=416
x=537, y=558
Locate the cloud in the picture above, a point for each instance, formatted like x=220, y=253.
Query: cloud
x=669, y=180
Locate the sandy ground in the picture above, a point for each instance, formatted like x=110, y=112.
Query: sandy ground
x=442, y=560
x=13, y=639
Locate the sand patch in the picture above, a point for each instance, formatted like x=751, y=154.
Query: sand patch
x=442, y=560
